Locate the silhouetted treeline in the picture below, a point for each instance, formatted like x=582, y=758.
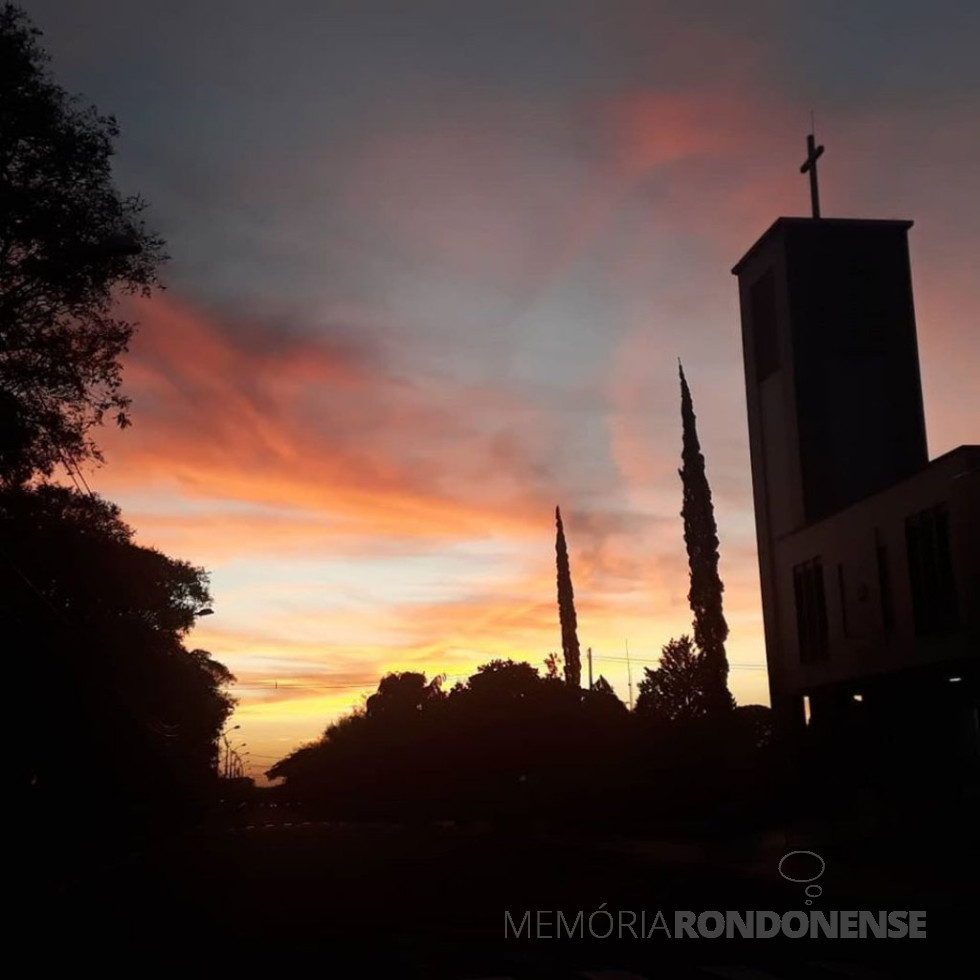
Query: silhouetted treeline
x=512, y=745
x=120, y=718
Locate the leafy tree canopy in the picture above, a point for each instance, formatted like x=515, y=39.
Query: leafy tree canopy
x=402, y=695
x=79, y=555
x=69, y=244
x=94, y=626
x=674, y=691
x=701, y=540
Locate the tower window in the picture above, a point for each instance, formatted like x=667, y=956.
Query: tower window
x=931, y=571
x=764, y=327
x=811, y=610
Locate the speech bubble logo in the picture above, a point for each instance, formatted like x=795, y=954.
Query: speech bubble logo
x=811, y=891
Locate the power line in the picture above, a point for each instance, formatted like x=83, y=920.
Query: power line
x=262, y=686
x=639, y=660
x=286, y=686
x=267, y=686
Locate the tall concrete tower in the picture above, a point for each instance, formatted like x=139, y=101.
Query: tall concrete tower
x=832, y=380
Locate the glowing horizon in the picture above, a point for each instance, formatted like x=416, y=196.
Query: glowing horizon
x=432, y=274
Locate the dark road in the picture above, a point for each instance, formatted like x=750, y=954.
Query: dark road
x=431, y=902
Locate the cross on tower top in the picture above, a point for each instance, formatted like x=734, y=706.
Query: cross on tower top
x=810, y=166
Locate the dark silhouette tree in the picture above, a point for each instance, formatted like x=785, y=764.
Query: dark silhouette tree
x=603, y=687
x=701, y=539
x=566, y=611
x=674, y=691
x=401, y=696
x=69, y=244
x=95, y=625
x=504, y=681
x=510, y=745
x=603, y=699
x=754, y=722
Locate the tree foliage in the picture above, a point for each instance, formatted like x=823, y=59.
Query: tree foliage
x=701, y=539
x=571, y=653
x=674, y=691
x=94, y=627
x=70, y=243
x=509, y=744
x=402, y=695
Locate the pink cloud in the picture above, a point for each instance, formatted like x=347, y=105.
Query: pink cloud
x=302, y=423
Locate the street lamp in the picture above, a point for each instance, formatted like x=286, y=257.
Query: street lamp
x=238, y=767
x=232, y=757
x=224, y=738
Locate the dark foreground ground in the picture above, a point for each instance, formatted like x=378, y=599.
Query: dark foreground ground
x=276, y=890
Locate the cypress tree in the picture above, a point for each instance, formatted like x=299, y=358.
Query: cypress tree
x=566, y=611
x=701, y=539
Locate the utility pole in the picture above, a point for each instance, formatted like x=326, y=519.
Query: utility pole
x=590, y=668
x=629, y=674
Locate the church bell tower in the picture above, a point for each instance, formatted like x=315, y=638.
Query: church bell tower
x=831, y=371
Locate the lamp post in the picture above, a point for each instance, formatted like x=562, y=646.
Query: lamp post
x=231, y=757
x=224, y=738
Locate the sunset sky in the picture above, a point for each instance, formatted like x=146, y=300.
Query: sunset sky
x=433, y=264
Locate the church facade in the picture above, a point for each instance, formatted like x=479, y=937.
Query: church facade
x=869, y=552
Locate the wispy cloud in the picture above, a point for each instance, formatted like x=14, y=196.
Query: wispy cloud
x=432, y=274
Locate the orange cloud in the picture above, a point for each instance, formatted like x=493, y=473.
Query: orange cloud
x=303, y=424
